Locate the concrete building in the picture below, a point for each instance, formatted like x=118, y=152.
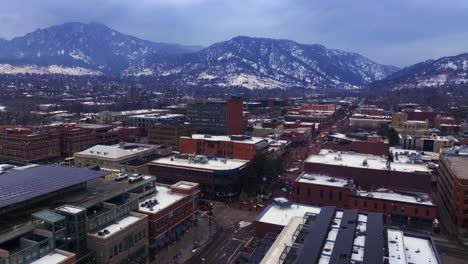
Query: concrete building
x=330, y=235
x=402, y=125
x=109, y=117
x=116, y=157
x=168, y=133
x=217, y=117
x=401, y=208
x=453, y=183
x=218, y=177
x=233, y=147
x=358, y=142
x=369, y=170
x=144, y=121
x=431, y=143
x=125, y=240
x=369, y=121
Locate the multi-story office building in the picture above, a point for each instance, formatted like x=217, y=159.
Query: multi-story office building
x=217, y=117
x=233, y=147
x=402, y=125
x=168, y=133
x=143, y=122
x=358, y=142
x=453, y=183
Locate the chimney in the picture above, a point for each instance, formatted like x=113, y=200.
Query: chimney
x=122, y=144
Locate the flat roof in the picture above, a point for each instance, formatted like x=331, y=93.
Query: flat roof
x=164, y=197
x=319, y=179
x=366, y=161
x=115, y=151
x=234, y=138
x=20, y=186
x=458, y=164
x=193, y=163
x=407, y=248
x=52, y=258
x=406, y=197
x=277, y=215
x=119, y=225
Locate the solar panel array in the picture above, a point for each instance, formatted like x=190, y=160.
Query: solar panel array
x=20, y=186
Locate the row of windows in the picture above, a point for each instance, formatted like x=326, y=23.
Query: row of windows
x=125, y=244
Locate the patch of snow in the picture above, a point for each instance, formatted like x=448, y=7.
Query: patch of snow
x=52, y=69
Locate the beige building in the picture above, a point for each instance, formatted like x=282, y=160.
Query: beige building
x=169, y=134
x=431, y=143
x=402, y=125
x=110, y=117
x=124, y=241
x=115, y=158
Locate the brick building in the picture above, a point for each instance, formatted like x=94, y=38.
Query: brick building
x=399, y=207
x=453, y=183
x=218, y=177
x=217, y=117
x=358, y=142
x=233, y=147
x=171, y=211
x=369, y=170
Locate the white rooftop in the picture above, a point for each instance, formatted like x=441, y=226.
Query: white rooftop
x=52, y=258
x=70, y=209
x=202, y=163
x=282, y=215
x=121, y=224
x=323, y=180
x=164, y=196
x=409, y=249
x=386, y=194
x=250, y=140
x=114, y=151
x=358, y=160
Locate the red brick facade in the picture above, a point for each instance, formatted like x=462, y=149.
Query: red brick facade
x=228, y=149
x=234, y=117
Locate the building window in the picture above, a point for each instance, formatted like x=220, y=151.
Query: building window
x=416, y=211
x=376, y=205
x=365, y=204
x=308, y=191
x=330, y=195
x=427, y=212
x=298, y=191
x=394, y=208
x=321, y=194
x=384, y=206
x=340, y=196
x=355, y=203
x=402, y=209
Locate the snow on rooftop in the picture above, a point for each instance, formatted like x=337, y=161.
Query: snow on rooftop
x=283, y=240
x=246, y=140
x=114, y=151
x=202, y=163
x=406, y=197
x=70, y=209
x=282, y=215
x=396, y=250
x=164, y=196
x=184, y=186
x=419, y=250
x=323, y=180
x=51, y=258
x=121, y=224
x=357, y=160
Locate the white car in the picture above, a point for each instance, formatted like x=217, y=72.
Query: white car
x=135, y=178
x=120, y=176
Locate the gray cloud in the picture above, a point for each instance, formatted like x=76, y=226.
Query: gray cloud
x=398, y=32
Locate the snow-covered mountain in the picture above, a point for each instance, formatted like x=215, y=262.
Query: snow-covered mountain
x=76, y=45
x=268, y=63
x=446, y=71
x=90, y=49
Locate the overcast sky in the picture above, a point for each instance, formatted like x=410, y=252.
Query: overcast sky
x=398, y=32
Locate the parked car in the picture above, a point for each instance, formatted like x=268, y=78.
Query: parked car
x=203, y=207
x=120, y=176
x=135, y=178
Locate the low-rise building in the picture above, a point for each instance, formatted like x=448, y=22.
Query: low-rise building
x=143, y=122
x=218, y=177
x=431, y=143
x=331, y=235
x=369, y=121
x=234, y=147
x=115, y=157
x=168, y=133
x=358, y=142
x=402, y=125
x=369, y=170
